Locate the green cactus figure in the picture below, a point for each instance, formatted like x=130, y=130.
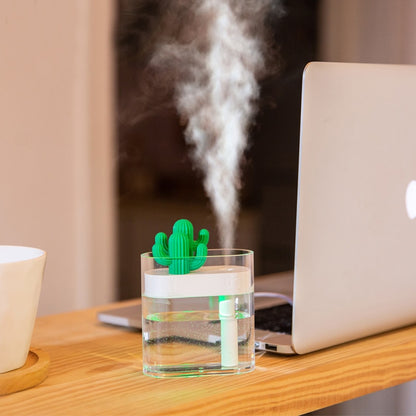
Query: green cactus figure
x=181, y=253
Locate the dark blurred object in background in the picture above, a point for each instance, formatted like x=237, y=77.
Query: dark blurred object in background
x=276, y=137
x=157, y=182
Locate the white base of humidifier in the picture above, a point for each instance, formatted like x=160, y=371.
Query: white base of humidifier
x=206, y=281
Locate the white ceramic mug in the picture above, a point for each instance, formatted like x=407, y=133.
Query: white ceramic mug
x=21, y=274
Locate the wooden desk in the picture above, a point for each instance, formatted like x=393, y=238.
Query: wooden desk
x=96, y=370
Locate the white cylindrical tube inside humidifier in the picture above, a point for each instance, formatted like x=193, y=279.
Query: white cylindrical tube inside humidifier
x=229, y=332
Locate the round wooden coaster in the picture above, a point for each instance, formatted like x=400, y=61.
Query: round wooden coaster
x=31, y=374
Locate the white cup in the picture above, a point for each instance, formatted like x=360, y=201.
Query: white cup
x=21, y=274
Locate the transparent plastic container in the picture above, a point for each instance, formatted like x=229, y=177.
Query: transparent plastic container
x=200, y=323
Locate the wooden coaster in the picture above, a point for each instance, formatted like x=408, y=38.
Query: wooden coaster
x=31, y=374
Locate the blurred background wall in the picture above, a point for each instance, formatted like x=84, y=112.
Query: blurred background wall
x=57, y=149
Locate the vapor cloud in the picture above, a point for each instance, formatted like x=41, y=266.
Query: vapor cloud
x=208, y=56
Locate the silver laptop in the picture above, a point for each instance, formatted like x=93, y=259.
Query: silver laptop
x=355, y=263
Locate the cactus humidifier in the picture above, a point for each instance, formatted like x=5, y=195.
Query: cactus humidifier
x=197, y=306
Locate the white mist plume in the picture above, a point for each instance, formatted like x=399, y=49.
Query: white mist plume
x=216, y=92
x=219, y=103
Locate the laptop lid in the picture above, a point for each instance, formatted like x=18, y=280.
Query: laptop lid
x=355, y=262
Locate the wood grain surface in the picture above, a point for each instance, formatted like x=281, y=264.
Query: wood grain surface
x=95, y=369
x=33, y=372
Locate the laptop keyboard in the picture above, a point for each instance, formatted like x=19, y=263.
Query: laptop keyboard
x=276, y=318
